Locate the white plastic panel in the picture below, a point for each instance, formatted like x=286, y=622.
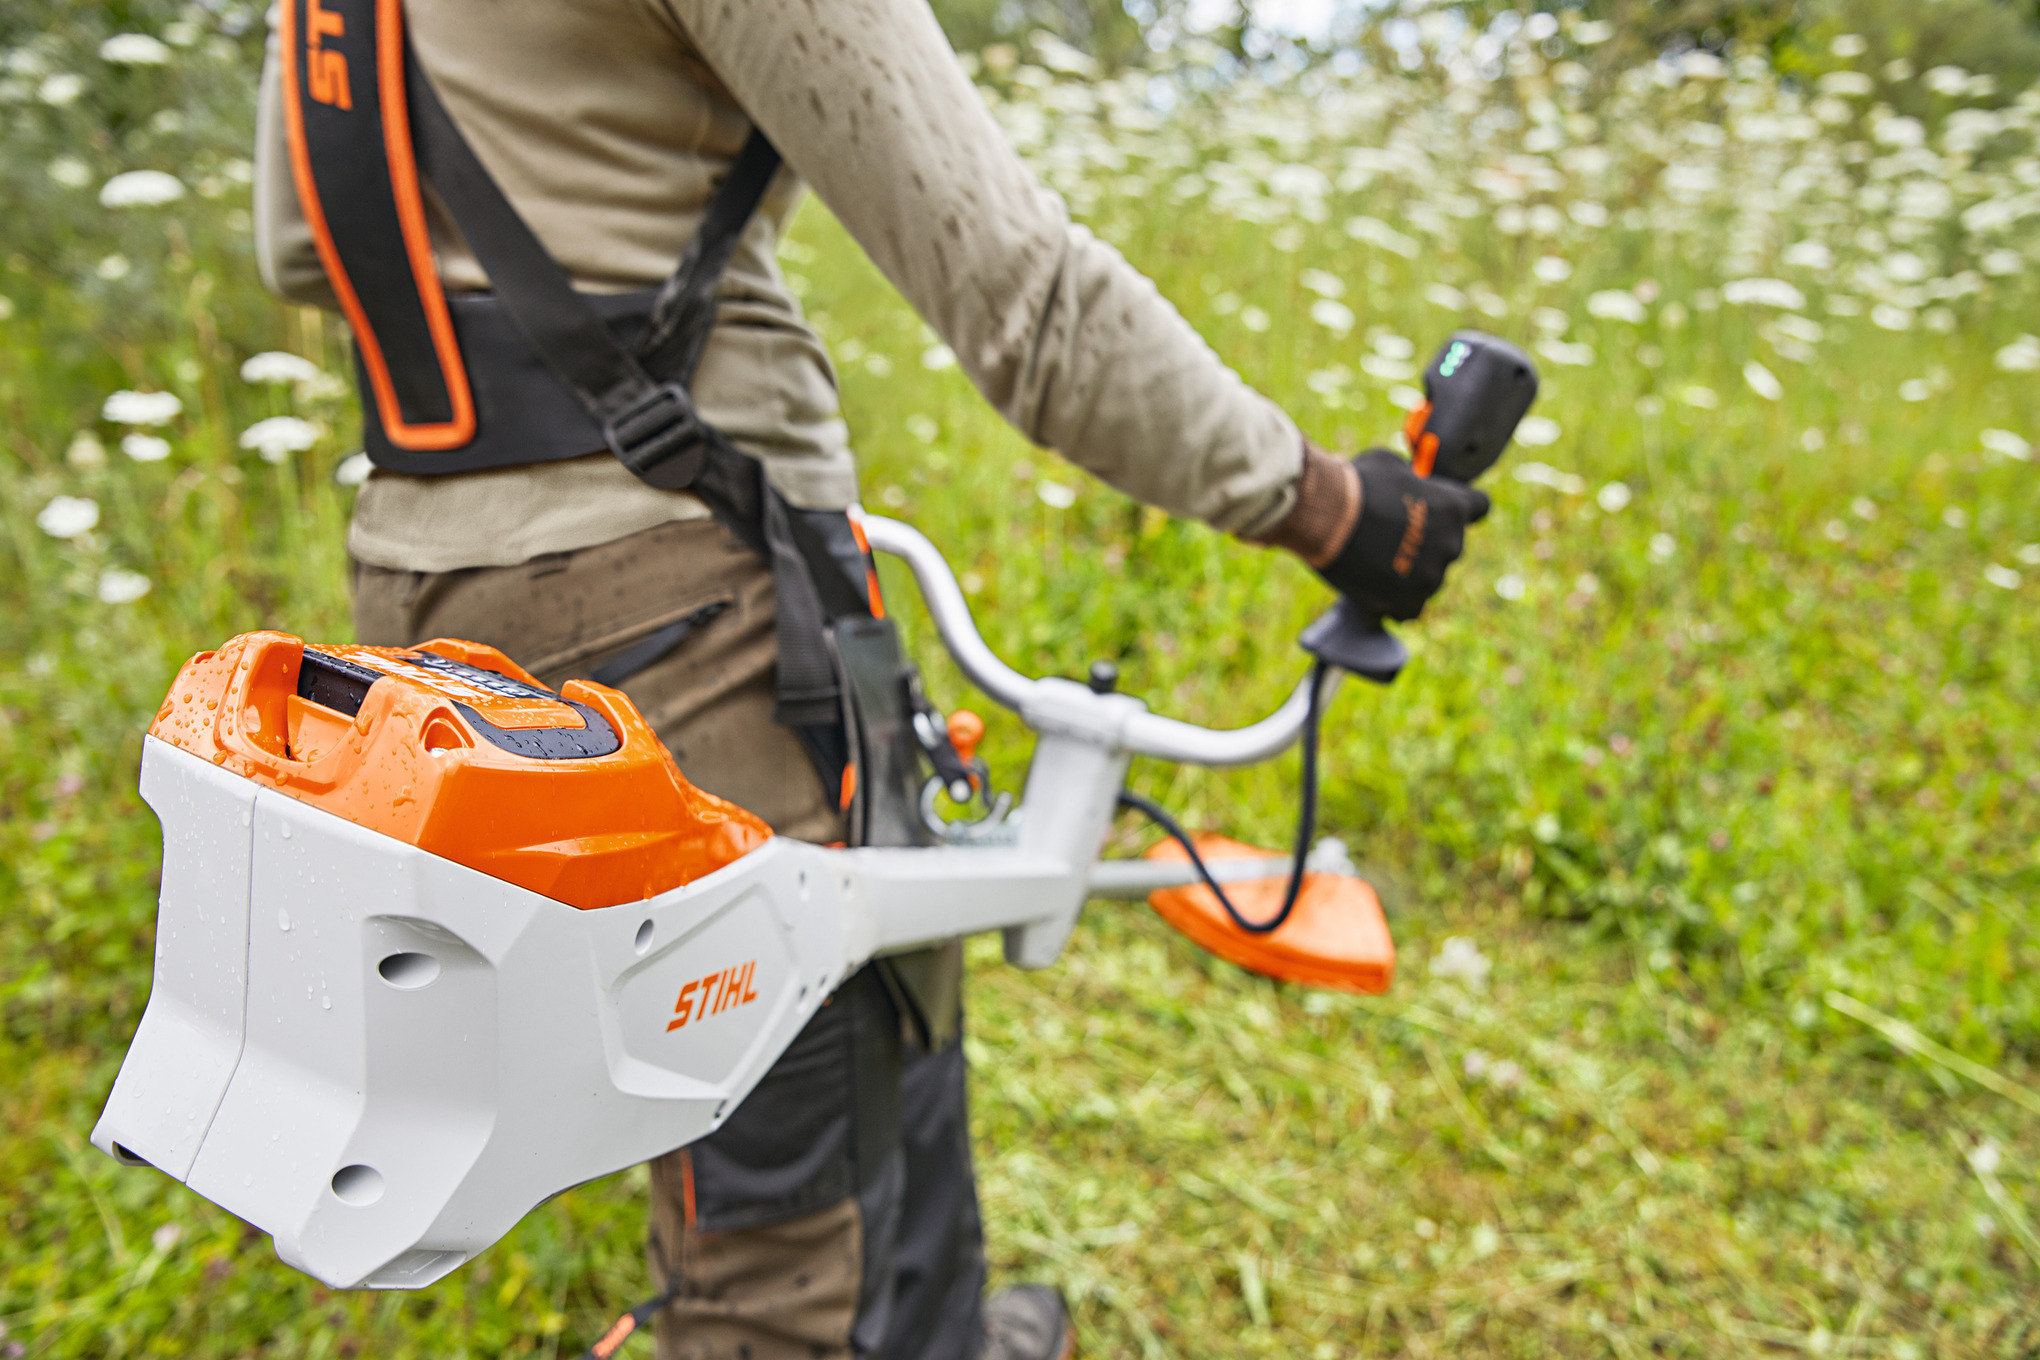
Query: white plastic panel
x=185, y=1050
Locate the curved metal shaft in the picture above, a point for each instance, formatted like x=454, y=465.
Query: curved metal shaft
x=1142, y=732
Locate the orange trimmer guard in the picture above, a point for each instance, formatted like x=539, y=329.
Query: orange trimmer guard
x=1336, y=937
x=454, y=748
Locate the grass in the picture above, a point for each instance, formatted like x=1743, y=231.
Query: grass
x=1682, y=791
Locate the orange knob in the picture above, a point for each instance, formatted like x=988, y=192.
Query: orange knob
x=966, y=730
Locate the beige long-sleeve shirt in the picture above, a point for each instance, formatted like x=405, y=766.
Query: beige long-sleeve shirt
x=607, y=123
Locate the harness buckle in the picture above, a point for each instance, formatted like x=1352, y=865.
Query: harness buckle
x=660, y=437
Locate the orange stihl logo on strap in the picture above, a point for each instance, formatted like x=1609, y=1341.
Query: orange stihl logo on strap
x=714, y=993
x=325, y=69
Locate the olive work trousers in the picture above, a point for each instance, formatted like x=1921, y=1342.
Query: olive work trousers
x=835, y=1214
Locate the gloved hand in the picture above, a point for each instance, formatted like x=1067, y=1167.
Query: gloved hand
x=1375, y=531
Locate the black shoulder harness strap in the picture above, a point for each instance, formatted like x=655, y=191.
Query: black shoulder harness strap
x=551, y=371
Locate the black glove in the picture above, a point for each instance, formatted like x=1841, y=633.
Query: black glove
x=1410, y=529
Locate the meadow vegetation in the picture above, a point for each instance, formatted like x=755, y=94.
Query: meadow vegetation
x=1707, y=814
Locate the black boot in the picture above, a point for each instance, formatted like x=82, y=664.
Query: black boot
x=1028, y=1322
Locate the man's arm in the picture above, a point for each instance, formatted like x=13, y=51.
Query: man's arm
x=1070, y=343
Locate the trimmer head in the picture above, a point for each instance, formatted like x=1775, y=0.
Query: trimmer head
x=1336, y=937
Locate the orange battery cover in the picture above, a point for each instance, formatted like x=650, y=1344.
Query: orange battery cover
x=454, y=748
x=1336, y=937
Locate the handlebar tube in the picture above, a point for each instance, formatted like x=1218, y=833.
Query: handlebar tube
x=1132, y=727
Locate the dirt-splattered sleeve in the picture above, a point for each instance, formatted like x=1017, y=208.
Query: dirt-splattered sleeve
x=1068, y=341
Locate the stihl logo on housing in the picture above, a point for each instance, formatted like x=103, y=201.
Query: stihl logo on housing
x=325, y=69
x=714, y=993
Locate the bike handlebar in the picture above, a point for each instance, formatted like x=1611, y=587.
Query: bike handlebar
x=1142, y=732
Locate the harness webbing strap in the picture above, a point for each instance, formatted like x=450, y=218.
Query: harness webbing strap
x=639, y=397
x=347, y=127
x=685, y=311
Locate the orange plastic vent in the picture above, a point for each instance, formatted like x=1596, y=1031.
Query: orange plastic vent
x=454, y=748
x=1336, y=937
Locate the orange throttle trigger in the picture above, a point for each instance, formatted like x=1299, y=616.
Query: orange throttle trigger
x=966, y=730
x=1423, y=444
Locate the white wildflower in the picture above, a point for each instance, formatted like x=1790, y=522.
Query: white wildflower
x=1812, y=255
x=1765, y=293
x=1446, y=296
x=1569, y=354
x=1255, y=319
x=70, y=171
x=1662, y=547
x=1538, y=432
x=113, y=268
x=1900, y=132
x=1511, y=586
x=118, y=585
x=1617, y=304
x=1700, y=398
x=1762, y=381
x=145, y=448
x=2030, y=554
x=1904, y=266
x=2004, y=578
x=352, y=470
x=1915, y=390
x=2007, y=444
x=85, y=451
x=1863, y=508
x=133, y=49
x=1543, y=474
x=2003, y=262
x=1392, y=346
x=1459, y=960
x=140, y=408
x=2021, y=356
x=166, y=1237
x=1335, y=317
x=1890, y=317
x=279, y=436
x=68, y=516
x=1986, y=1157
x=1056, y=495
x=61, y=89
x=140, y=189
x=1322, y=283
x=1404, y=397
x=935, y=358
x=1588, y=213
x=275, y=366
x=1374, y=232
x=1803, y=329
x=1329, y=382
x=1955, y=517
x=1847, y=45
x=1843, y=84
x=1614, y=497
x=1592, y=32
x=1552, y=269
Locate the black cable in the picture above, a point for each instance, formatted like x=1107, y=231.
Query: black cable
x=1306, y=822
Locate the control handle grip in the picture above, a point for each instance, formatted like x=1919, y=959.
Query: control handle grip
x=1476, y=391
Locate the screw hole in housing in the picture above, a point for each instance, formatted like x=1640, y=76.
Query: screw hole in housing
x=358, y=1185
x=409, y=971
x=644, y=937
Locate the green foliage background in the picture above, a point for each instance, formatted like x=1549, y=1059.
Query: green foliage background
x=1679, y=798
